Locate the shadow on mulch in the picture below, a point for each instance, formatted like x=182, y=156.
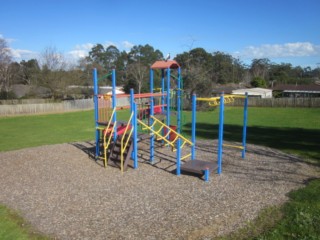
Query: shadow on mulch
x=164, y=161
x=88, y=148
x=279, y=138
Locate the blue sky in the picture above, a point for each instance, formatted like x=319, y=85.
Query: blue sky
x=281, y=30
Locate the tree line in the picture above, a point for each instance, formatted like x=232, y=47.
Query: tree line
x=52, y=76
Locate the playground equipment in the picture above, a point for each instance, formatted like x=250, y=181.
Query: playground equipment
x=109, y=130
x=218, y=101
x=119, y=139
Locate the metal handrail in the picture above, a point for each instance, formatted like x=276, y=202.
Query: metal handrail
x=106, y=144
x=123, y=147
x=106, y=131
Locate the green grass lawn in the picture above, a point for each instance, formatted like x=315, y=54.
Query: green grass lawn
x=293, y=130
x=12, y=226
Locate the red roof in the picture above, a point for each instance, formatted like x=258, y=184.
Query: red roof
x=165, y=64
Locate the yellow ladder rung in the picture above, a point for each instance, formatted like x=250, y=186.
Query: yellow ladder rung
x=167, y=134
x=181, y=146
x=186, y=156
x=158, y=131
x=176, y=138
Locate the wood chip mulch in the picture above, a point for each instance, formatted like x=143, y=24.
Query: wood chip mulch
x=62, y=192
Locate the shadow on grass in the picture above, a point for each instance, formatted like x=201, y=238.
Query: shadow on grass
x=304, y=142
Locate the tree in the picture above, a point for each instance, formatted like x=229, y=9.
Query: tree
x=5, y=71
x=30, y=71
x=104, y=58
x=53, y=72
x=196, y=71
x=140, y=59
x=222, y=68
x=260, y=67
x=280, y=72
x=97, y=54
x=111, y=56
x=258, y=82
x=52, y=59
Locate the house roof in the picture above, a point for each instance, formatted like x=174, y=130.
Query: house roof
x=252, y=91
x=297, y=88
x=224, y=89
x=165, y=64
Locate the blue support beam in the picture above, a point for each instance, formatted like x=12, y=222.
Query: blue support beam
x=179, y=101
x=162, y=90
x=150, y=119
x=220, y=141
x=206, y=175
x=114, y=100
x=135, y=137
x=96, y=110
x=178, y=146
x=193, y=129
x=244, y=130
x=168, y=98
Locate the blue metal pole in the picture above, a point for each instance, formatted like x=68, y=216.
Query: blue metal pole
x=135, y=137
x=134, y=117
x=244, y=130
x=168, y=98
x=220, y=141
x=114, y=99
x=179, y=102
x=178, y=170
x=150, y=119
x=162, y=89
x=131, y=99
x=96, y=109
x=206, y=175
x=194, y=120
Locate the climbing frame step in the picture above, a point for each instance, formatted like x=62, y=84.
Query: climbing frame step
x=198, y=166
x=115, y=154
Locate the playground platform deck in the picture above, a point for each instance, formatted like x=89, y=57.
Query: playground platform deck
x=64, y=193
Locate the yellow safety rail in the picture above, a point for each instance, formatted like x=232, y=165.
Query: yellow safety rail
x=164, y=138
x=108, y=132
x=215, y=101
x=125, y=144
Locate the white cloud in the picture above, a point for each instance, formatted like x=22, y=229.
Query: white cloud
x=109, y=43
x=22, y=54
x=124, y=45
x=127, y=45
x=85, y=46
x=297, y=49
x=8, y=40
x=79, y=51
x=82, y=50
x=77, y=54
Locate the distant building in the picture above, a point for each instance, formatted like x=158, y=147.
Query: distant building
x=254, y=92
x=108, y=90
x=297, y=91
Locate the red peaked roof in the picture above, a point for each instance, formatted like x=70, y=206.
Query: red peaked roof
x=165, y=64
